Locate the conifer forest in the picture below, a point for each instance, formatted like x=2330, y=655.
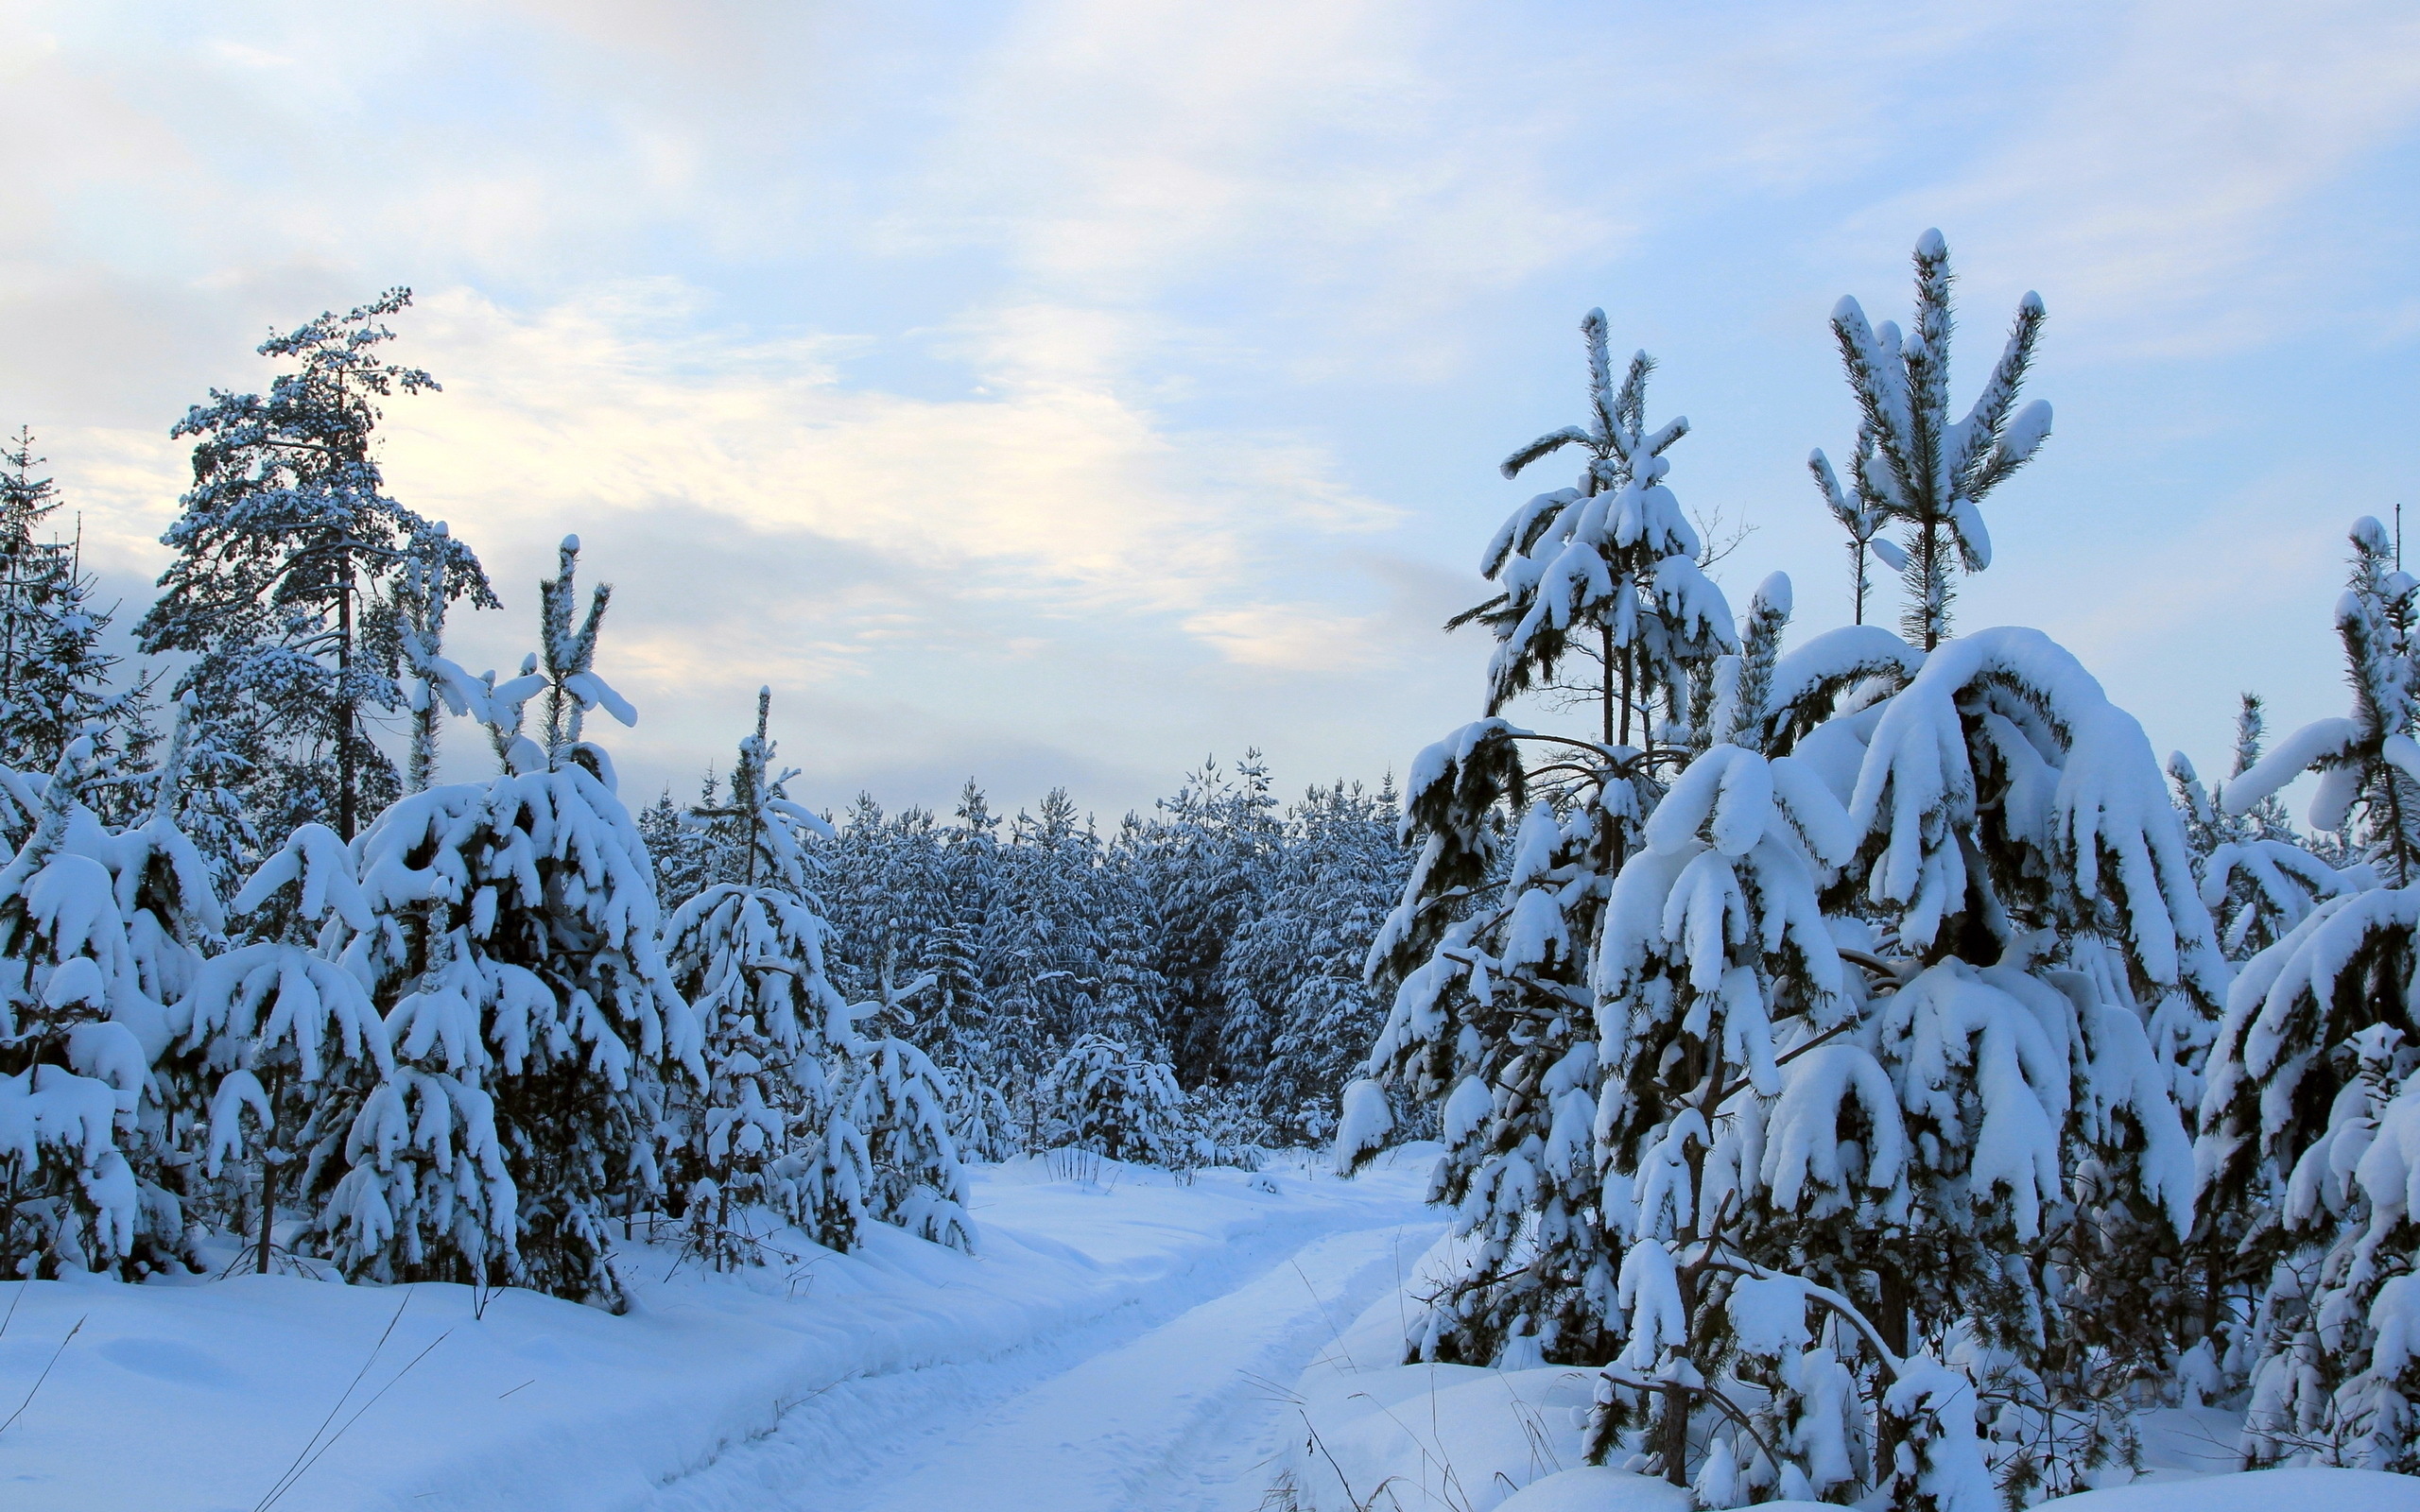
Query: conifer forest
x=1785, y=1041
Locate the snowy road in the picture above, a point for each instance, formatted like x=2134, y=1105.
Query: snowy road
x=1167, y=1407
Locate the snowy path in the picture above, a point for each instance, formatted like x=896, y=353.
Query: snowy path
x=1182, y=1416
x=1113, y=1344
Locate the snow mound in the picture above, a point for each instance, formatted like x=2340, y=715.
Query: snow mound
x=1595, y=1488
x=2289, y=1490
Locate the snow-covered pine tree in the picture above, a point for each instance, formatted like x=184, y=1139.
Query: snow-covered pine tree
x=276, y=1030
x=1492, y=1021
x=286, y=534
x=1606, y=567
x=678, y=844
x=748, y=956
x=2306, y=1136
x=902, y=1103
x=2368, y=761
x=1967, y=1147
x=1916, y=465
x=1044, y=943
x=1105, y=1098
x=2259, y=880
x=1860, y=513
x=78, y=1033
x=1133, y=998
x=57, y=681
x=515, y=949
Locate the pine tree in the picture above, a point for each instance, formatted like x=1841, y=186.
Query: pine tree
x=1887, y=1011
x=1913, y=463
x=2309, y=1138
x=287, y=534
x=748, y=956
x=2259, y=880
x=1610, y=561
x=1213, y=846
x=902, y=1103
x=276, y=1030
x=514, y=952
x=1106, y=1099
x=56, y=680
x=2305, y=1135
x=78, y=1032
x=2366, y=762
x=1492, y=1023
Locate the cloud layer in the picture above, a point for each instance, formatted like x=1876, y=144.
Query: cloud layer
x=1059, y=391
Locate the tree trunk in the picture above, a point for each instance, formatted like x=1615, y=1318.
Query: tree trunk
x=1605, y=645
x=347, y=779
x=1673, y=1436
x=1892, y=1322
x=268, y=1202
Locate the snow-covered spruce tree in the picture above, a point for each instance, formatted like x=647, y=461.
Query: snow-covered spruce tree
x=1104, y=1097
x=286, y=534
x=1211, y=847
x=1915, y=464
x=1338, y=874
x=2259, y=880
x=1493, y=1017
x=748, y=956
x=513, y=948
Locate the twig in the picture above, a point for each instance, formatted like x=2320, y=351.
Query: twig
x=272, y=1499
x=12, y=1307
x=295, y=1468
x=45, y=1374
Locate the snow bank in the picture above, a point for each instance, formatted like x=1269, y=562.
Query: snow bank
x=1441, y=1438
x=1595, y=1488
x=197, y=1398
x=1457, y=1438
x=2294, y=1490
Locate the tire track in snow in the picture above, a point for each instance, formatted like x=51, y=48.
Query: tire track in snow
x=1178, y=1421
x=851, y=1445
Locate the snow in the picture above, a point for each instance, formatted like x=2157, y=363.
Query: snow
x=1105, y=1350
x=2286, y=1491
x=1596, y=1488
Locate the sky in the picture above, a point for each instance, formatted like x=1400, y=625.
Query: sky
x=1058, y=393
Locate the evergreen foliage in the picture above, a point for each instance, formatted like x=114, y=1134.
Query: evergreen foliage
x=286, y=536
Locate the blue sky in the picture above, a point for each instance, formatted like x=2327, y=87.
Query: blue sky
x=1060, y=392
